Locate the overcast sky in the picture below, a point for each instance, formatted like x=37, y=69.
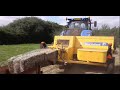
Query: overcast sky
x=110, y=20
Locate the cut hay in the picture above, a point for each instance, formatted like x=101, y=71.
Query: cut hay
x=23, y=62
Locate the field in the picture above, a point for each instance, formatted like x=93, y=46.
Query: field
x=7, y=51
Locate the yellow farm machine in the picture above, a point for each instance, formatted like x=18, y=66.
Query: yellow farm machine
x=78, y=45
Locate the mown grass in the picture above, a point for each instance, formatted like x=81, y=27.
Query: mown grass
x=7, y=51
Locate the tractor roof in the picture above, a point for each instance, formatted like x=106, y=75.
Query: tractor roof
x=79, y=19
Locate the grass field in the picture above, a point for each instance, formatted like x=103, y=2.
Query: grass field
x=7, y=51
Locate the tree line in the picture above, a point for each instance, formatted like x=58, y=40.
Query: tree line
x=105, y=30
x=35, y=30
x=29, y=30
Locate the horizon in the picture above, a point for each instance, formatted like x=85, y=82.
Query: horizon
x=111, y=21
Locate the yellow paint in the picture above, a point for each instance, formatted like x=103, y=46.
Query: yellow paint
x=92, y=55
x=70, y=38
x=89, y=53
x=83, y=62
x=80, y=41
x=68, y=48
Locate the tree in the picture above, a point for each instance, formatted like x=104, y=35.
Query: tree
x=28, y=30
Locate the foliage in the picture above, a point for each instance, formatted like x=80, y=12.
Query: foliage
x=28, y=30
x=105, y=30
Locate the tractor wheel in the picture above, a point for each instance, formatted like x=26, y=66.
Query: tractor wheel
x=110, y=67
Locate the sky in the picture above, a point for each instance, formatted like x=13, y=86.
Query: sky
x=112, y=21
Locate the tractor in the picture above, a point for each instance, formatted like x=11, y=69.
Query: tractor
x=78, y=45
x=78, y=27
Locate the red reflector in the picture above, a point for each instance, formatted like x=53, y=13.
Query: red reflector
x=109, y=57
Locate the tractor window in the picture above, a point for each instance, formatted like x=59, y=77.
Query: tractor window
x=78, y=25
x=63, y=42
x=72, y=25
x=83, y=26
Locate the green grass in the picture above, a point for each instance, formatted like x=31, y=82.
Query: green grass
x=7, y=51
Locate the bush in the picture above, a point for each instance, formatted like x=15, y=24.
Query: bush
x=28, y=30
x=106, y=31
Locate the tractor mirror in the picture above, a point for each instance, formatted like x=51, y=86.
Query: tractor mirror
x=95, y=23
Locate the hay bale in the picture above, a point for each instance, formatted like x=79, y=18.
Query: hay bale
x=28, y=60
x=52, y=56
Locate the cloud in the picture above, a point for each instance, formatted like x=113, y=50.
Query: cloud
x=4, y=20
x=42, y=17
x=110, y=20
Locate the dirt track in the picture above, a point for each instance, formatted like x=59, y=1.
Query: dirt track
x=81, y=69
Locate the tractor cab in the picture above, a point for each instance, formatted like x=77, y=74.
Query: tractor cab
x=78, y=27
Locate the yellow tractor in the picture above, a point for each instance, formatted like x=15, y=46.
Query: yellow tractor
x=78, y=45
